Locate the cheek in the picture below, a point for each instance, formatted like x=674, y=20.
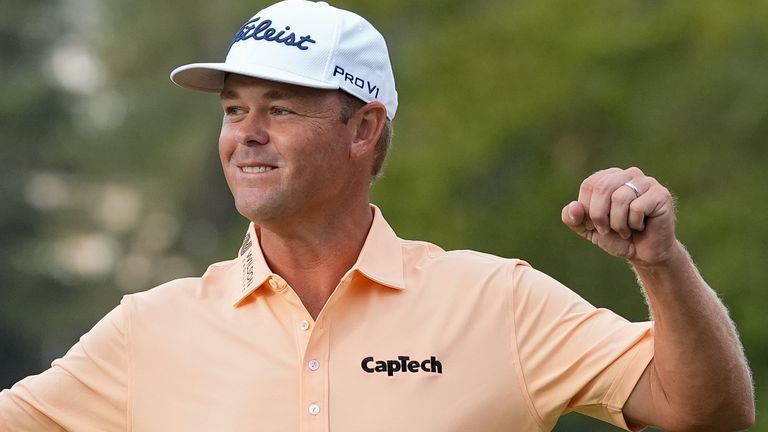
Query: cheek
x=226, y=145
x=226, y=150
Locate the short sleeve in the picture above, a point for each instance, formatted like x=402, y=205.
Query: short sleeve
x=86, y=390
x=573, y=356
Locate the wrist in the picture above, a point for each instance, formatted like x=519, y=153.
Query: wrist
x=672, y=261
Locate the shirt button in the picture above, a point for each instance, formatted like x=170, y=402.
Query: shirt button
x=314, y=409
x=314, y=365
x=304, y=325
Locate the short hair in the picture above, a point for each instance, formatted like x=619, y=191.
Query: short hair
x=349, y=106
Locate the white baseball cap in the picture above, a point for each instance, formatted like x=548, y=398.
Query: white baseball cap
x=311, y=44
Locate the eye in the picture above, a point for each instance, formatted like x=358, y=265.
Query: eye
x=230, y=111
x=280, y=111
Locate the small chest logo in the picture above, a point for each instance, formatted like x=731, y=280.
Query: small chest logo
x=403, y=364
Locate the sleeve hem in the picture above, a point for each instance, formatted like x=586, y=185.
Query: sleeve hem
x=622, y=387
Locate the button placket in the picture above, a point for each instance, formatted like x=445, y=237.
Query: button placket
x=316, y=367
x=314, y=379
x=312, y=400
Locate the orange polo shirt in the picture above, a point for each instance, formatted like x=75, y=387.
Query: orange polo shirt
x=413, y=339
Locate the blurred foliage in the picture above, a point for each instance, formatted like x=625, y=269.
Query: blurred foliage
x=110, y=182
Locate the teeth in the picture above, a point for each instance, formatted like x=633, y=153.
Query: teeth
x=256, y=169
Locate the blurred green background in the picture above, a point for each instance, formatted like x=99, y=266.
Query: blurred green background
x=110, y=183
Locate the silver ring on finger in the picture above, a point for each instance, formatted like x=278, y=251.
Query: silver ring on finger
x=634, y=188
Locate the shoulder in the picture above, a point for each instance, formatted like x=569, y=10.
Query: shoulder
x=211, y=286
x=428, y=256
x=459, y=272
x=463, y=271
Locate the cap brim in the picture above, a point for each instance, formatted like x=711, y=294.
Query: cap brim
x=209, y=77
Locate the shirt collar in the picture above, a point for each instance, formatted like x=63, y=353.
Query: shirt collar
x=380, y=259
x=252, y=269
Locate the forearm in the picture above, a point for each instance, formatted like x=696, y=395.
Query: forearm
x=699, y=371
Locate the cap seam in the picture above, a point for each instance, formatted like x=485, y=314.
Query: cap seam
x=334, y=49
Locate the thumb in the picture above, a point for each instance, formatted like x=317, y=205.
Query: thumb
x=573, y=214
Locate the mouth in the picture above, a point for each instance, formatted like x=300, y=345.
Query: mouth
x=255, y=166
x=256, y=169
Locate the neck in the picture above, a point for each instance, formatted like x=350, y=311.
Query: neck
x=313, y=255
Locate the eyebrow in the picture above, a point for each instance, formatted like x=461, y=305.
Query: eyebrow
x=271, y=94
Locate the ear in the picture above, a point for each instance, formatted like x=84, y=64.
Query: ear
x=367, y=124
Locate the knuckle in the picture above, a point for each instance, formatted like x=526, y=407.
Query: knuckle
x=662, y=191
x=634, y=171
x=603, y=186
x=622, y=195
x=597, y=176
x=585, y=184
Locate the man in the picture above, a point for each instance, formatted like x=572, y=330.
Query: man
x=327, y=321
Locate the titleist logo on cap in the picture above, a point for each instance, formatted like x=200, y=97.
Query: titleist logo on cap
x=264, y=31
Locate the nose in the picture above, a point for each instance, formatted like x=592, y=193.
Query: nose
x=252, y=131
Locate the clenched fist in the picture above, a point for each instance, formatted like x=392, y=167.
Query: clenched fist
x=627, y=214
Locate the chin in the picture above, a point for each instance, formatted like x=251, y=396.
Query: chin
x=258, y=211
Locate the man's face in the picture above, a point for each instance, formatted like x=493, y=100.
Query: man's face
x=284, y=149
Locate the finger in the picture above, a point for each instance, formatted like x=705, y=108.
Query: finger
x=586, y=190
x=599, y=210
x=573, y=214
x=619, y=211
x=657, y=204
x=636, y=216
x=588, y=224
x=651, y=204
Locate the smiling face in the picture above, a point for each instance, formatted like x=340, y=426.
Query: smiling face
x=284, y=150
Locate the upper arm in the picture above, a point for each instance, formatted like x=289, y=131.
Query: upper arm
x=575, y=357
x=648, y=404
x=639, y=406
